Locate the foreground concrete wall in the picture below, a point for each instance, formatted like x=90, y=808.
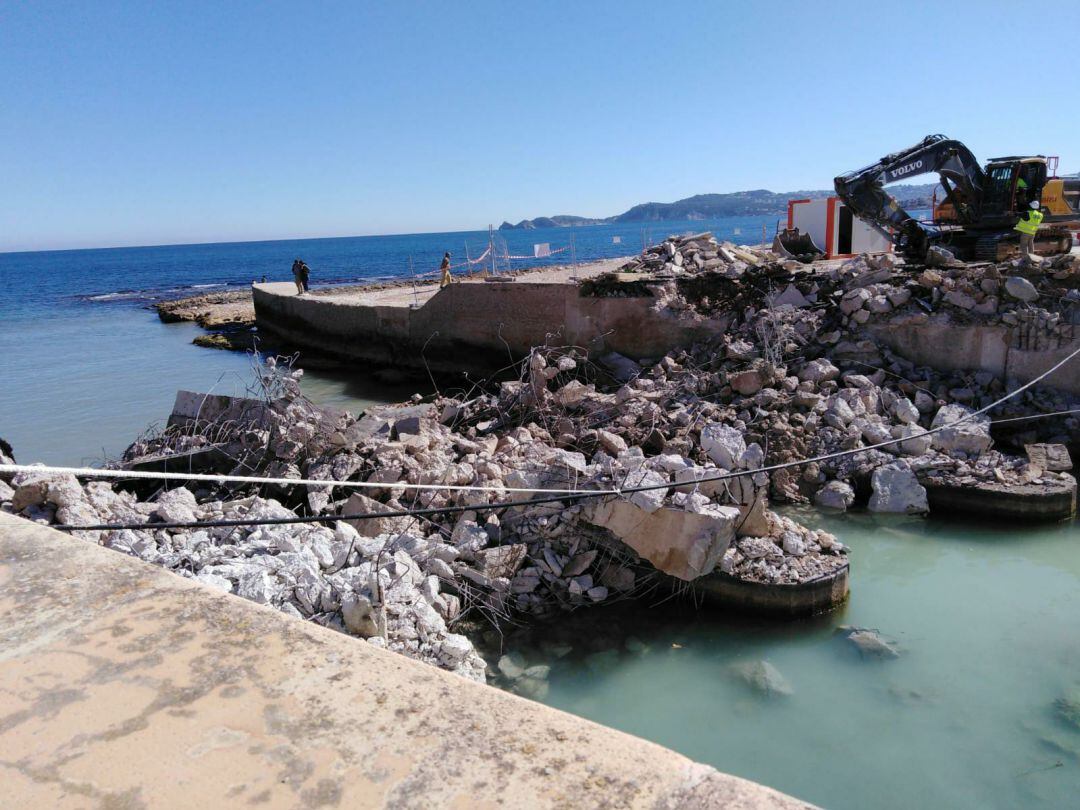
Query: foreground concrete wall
x=953, y=347
x=125, y=686
x=474, y=326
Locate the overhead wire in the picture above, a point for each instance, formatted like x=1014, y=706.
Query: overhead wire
x=554, y=495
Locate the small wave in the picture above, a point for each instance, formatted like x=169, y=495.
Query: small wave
x=113, y=296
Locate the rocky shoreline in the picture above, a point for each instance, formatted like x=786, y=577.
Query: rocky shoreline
x=456, y=528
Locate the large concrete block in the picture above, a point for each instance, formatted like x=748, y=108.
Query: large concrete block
x=686, y=545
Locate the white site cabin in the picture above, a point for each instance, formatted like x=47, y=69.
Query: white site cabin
x=834, y=229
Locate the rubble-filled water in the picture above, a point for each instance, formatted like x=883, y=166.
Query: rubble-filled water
x=986, y=622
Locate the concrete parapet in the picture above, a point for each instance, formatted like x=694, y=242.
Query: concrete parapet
x=989, y=500
x=801, y=599
x=122, y=685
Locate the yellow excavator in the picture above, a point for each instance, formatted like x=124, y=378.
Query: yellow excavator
x=981, y=206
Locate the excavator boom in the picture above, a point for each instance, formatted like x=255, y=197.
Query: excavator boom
x=864, y=190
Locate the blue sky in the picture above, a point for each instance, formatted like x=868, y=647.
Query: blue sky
x=137, y=123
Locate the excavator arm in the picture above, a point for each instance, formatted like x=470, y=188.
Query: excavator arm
x=863, y=191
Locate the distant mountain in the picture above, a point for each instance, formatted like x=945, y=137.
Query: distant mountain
x=557, y=221
x=759, y=202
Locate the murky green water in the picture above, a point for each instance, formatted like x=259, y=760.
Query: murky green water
x=987, y=620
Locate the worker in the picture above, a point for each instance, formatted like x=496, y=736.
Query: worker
x=1028, y=226
x=444, y=268
x=1021, y=194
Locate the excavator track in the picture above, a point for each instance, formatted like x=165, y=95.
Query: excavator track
x=986, y=248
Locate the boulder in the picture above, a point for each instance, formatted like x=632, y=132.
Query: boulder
x=723, y=444
x=176, y=506
x=1021, y=289
x=360, y=616
x=360, y=504
x=971, y=437
x=764, y=678
x=916, y=442
x=906, y=411
x=650, y=500
x=683, y=544
x=835, y=495
x=897, y=490
x=819, y=371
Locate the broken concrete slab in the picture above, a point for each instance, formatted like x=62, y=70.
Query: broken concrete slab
x=683, y=544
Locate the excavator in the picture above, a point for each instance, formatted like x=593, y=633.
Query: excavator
x=981, y=206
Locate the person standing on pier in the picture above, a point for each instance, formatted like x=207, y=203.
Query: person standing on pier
x=301, y=272
x=444, y=268
x=305, y=274
x=297, y=278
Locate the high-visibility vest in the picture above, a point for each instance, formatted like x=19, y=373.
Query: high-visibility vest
x=1030, y=225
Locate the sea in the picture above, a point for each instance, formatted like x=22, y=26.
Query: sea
x=972, y=714
x=87, y=365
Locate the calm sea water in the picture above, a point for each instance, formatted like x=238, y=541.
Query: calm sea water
x=986, y=621
x=85, y=366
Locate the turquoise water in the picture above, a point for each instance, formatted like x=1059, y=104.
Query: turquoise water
x=79, y=385
x=987, y=621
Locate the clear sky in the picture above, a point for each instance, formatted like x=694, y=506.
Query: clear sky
x=150, y=123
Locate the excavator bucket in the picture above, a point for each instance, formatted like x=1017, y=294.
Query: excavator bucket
x=791, y=243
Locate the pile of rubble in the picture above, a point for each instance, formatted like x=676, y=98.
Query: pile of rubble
x=382, y=588
x=697, y=253
x=675, y=447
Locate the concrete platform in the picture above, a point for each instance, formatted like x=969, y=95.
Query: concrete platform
x=125, y=686
x=473, y=326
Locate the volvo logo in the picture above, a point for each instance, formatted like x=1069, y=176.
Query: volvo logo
x=900, y=171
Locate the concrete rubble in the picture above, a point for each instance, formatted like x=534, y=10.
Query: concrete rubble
x=799, y=372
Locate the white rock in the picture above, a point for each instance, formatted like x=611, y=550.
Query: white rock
x=177, y=506
x=684, y=544
x=455, y=648
x=896, y=489
x=906, y=411
x=611, y=443
x=971, y=437
x=650, y=500
x=835, y=495
x=794, y=544
x=917, y=442
x=723, y=444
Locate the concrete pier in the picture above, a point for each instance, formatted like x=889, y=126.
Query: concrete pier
x=125, y=686
x=474, y=325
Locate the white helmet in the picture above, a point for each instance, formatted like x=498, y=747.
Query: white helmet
x=1034, y=204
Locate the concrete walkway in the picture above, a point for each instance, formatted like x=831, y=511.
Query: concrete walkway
x=125, y=686
x=404, y=296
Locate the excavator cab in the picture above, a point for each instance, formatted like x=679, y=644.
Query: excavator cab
x=1011, y=184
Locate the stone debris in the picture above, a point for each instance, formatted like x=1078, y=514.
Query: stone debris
x=798, y=370
x=763, y=678
x=870, y=643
